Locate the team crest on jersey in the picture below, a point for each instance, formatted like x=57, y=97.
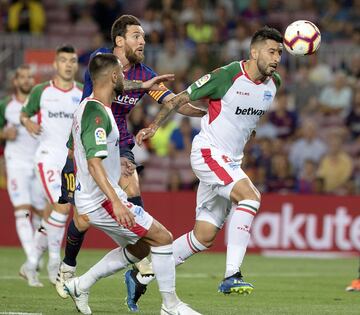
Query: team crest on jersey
x=100, y=136
x=202, y=80
x=267, y=96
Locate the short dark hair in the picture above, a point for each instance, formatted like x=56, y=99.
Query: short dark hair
x=24, y=66
x=101, y=62
x=265, y=33
x=119, y=27
x=66, y=49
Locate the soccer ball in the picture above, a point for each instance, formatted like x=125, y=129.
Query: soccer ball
x=302, y=38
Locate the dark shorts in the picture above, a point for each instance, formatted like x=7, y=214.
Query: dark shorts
x=68, y=183
x=126, y=152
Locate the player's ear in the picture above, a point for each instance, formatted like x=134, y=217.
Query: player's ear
x=254, y=52
x=119, y=41
x=113, y=77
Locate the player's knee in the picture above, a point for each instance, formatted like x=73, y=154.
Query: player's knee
x=248, y=193
x=205, y=238
x=166, y=237
x=62, y=208
x=133, y=191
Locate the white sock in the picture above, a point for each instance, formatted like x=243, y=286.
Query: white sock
x=36, y=221
x=183, y=247
x=25, y=231
x=112, y=262
x=40, y=245
x=55, y=230
x=163, y=264
x=239, y=234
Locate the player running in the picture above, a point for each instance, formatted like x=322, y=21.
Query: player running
x=128, y=45
x=239, y=94
x=104, y=204
x=24, y=191
x=54, y=102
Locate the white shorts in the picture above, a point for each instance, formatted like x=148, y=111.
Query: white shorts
x=103, y=219
x=49, y=176
x=24, y=188
x=217, y=174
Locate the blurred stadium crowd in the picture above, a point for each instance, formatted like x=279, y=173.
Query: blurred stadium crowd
x=308, y=143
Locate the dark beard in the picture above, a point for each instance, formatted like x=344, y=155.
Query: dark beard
x=132, y=57
x=119, y=89
x=25, y=90
x=262, y=70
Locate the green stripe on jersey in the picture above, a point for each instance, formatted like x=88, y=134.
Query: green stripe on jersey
x=214, y=85
x=32, y=105
x=95, y=128
x=3, y=103
x=79, y=85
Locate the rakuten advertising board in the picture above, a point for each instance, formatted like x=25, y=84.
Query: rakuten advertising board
x=285, y=225
x=303, y=225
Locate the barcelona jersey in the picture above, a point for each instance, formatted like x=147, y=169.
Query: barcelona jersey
x=125, y=102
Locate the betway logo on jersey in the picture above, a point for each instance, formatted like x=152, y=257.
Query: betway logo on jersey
x=125, y=99
x=249, y=111
x=60, y=115
x=337, y=230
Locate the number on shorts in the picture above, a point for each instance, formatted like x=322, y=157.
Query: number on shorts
x=70, y=181
x=50, y=175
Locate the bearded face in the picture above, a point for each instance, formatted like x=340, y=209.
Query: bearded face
x=134, y=57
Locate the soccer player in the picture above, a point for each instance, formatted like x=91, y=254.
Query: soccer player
x=24, y=191
x=54, y=102
x=102, y=201
x=128, y=45
x=239, y=94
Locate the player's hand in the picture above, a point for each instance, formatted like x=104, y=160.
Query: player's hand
x=127, y=168
x=33, y=128
x=144, y=134
x=10, y=133
x=154, y=83
x=123, y=215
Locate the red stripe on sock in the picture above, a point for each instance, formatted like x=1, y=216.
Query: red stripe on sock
x=189, y=242
x=57, y=225
x=246, y=210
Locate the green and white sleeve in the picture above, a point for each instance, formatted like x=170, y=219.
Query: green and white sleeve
x=215, y=84
x=3, y=104
x=95, y=127
x=32, y=105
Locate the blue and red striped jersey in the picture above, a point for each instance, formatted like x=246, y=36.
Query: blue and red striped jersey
x=124, y=103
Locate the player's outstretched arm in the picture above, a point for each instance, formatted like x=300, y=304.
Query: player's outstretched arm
x=122, y=213
x=166, y=110
x=187, y=109
x=153, y=84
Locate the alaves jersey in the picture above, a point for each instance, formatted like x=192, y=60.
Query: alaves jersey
x=19, y=152
x=55, y=108
x=236, y=104
x=94, y=135
x=124, y=103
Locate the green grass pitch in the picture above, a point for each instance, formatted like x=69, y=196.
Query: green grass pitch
x=282, y=286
